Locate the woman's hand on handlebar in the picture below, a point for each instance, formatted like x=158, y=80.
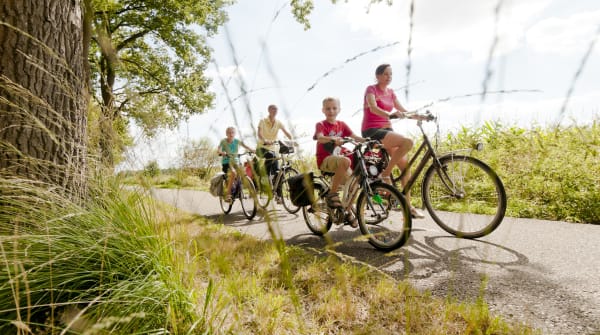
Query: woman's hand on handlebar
x=426, y=116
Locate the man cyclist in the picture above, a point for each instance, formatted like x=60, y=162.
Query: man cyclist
x=268, y=128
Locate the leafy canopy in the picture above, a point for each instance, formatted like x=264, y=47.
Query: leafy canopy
x=148, y=58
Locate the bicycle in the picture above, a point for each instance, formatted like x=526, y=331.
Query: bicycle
x=242, y=188
x=462, y=194
x=266, y=183
x=381, y=210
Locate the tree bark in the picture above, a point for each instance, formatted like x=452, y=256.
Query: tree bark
x=43, y=92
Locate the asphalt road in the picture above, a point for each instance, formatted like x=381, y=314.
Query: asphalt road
x=544, y=273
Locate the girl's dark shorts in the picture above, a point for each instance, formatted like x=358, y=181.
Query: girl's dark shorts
x=225, y=167
x=376, y=133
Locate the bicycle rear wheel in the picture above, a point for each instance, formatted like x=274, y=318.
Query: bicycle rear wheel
x=384, y=216
x=247, y=196
x=316, y=215
x=465, y=197
x=284, y=190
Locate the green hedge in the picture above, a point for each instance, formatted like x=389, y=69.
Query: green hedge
x=549, y=174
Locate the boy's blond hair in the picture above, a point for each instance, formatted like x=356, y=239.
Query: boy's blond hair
x=336, y=100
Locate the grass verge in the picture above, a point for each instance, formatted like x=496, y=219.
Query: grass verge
x=244, y=289
x=116, y=265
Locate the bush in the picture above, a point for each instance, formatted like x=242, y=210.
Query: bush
x=152, y=169
x=548, y=173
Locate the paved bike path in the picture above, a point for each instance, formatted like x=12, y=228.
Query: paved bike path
x=544, y=273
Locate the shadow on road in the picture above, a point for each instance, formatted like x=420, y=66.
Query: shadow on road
x=527, y=288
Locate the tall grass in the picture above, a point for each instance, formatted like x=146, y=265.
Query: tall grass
x=96, y=268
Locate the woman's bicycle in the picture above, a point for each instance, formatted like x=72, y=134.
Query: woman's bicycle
x=463, y=195
x=242, y=189
x=269, y=187
x=381, y=210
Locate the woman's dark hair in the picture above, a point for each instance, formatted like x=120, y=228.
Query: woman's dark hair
x=381, y=68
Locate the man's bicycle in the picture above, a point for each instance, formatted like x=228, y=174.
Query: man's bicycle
x=269, y=187
x=381, y=210
x=242, y=189
x=463, y=195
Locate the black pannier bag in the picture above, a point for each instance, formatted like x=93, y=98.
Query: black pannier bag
x=302, y=189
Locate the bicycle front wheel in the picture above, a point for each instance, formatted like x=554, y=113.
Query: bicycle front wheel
x=225, y=205
x=384, y=216
x=316, y=215
x=247, y=196
x=264, y=191
x=464, y=196
x=284, y=190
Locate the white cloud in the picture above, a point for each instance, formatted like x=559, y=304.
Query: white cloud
x=465, y=26
x=565, y=36
x=226, y=72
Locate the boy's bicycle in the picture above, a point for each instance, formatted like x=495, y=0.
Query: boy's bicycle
x=269, y=187
x=381, y=210
x=242, y=189
x=463, y=195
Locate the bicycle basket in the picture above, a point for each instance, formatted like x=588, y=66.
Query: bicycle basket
x=285, y=149
x=301, y=189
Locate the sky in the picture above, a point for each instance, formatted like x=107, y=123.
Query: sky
x=537, y=60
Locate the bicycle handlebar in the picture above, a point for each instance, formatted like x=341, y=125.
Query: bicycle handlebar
x=368, y=141
x=249, y=153
x=427, y=116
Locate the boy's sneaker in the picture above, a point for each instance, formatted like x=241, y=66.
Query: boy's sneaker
x=351, y=219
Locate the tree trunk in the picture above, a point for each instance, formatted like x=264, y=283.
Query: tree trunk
x=43, y=92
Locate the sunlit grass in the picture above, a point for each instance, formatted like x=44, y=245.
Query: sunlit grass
x=251, y=295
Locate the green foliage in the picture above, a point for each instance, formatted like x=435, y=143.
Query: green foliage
x=100, y=267
x=148, y=62
x=152, y=169
x=548, y=173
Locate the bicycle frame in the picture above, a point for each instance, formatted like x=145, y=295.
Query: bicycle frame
x=357, y=181
x=429, y=154
x=278, y=179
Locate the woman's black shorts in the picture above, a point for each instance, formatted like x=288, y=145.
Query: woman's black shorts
x=376, y=133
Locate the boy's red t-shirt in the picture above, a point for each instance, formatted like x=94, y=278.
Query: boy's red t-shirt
x=339, y=129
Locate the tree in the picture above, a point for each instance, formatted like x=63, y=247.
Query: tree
x=43, y=92
x=148, y=59
x=199, y=157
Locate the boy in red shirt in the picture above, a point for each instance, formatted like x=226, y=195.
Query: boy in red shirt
x=329, y=134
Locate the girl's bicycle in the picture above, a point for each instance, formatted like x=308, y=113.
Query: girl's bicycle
x=269, y=187
x=381, y=210
x=463, y=195
x=242, y=189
